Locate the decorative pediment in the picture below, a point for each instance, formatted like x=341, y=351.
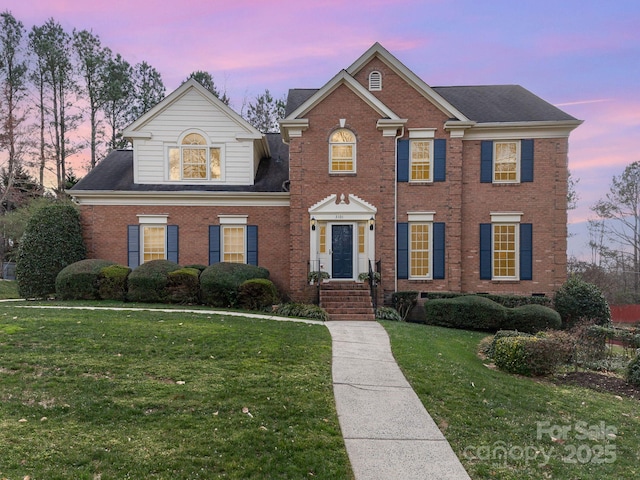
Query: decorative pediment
x=343, y=207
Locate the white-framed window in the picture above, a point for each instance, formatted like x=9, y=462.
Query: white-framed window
x=506, y=161
x=194, y=159
x=233, y=238
x=375, y=81
x=153, y=237
x=342, y=151
x=421, y=160
x=505, y=251
x=153, y=242
x=420, y=245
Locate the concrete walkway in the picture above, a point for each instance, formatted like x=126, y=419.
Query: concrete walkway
x=387, y=431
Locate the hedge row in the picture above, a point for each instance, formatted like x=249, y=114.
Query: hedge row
x=161, y=281
x=474, y=312
x=510, y=301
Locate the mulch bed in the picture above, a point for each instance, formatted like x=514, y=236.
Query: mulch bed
x=600, y=382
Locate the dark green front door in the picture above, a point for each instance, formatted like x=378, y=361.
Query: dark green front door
x=342, y=247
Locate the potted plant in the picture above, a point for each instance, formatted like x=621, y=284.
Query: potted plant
x=313, y=276
x=364, y=276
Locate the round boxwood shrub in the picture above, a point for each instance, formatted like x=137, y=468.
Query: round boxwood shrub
x=148, y=282
x=578, y=301
x=51, y=241
x=633, y=371
x=219, y=282
x=183, y=285
x=510, y=354
x=80, y=280
x=531, y=319
x=112, y=282
x=257, y=294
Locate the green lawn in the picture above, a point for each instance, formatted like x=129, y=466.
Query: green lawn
x=113, y=395
x=501, y=426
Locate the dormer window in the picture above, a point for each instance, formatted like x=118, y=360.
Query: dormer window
x=375, y=81
x=195, y=159
x=342, y=151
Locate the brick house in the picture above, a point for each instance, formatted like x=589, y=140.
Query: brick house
x=460, y=189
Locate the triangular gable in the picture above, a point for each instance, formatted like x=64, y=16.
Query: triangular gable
x=356, y=209
x=392, y=62
x=249, y=131
x=343, y=78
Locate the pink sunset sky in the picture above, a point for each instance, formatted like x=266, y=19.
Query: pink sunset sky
x=580, y=55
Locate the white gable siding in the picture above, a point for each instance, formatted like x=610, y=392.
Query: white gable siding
x=192, y=111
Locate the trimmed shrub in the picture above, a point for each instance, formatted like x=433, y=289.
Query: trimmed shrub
x=578, y=301
x=503, y=334
x=404, y=302
x=257, y=294
x=510, y=301
x=219, y=282
x=388, y=313
x=553, y=348
x=510, y=354
x=531, y=318
x=52, y=240
x=532, y=355
x=112, y=282
x=80, y=280
x=633, y=371
x=148, y=282
x=183, y=285
x=469, y=312
x=302, y=310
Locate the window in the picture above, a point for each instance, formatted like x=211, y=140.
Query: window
x=506, y=162
x=233, y=241
x=153, y=243
x=506, y=248
x=361, y=238
x=233, y=247
x=323, y=239
x=375, y=81
x=421, y=158
x=342, y=151
x=151, y=239
x=194, y=159
x=421, y=247
x=505, y=251
x=420, y=250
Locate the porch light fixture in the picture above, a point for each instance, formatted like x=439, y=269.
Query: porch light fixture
x=313, y=223
x=372, y=222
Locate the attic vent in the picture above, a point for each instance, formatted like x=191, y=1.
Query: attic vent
x=375, y=81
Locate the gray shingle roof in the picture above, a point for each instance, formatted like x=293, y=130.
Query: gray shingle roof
x=483, y=104
x=115, y=172
x=501, y=103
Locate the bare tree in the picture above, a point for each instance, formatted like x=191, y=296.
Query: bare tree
x=118, y=97
x=13, y=86
x=619, y=212
x=92, y=62
x=52, y=45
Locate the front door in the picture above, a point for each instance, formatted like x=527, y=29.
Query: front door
x=342, y=249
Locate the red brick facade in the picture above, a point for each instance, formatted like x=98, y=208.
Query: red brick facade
x=371, y=201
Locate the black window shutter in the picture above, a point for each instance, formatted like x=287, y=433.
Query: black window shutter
x=486, y=161
x=133, y=245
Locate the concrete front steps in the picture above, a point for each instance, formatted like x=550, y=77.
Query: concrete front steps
x=347, y=301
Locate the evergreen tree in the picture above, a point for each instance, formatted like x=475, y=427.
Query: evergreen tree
x=206, y=80
x=264, y=113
